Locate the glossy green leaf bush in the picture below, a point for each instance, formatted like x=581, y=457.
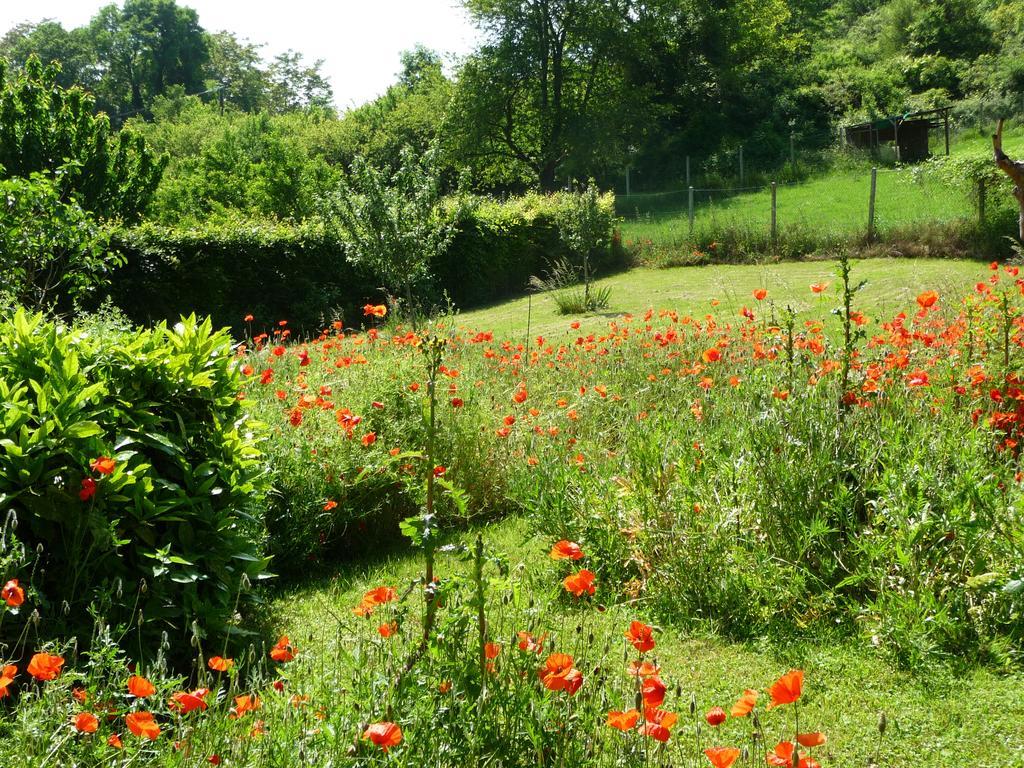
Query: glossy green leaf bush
x=158, y=537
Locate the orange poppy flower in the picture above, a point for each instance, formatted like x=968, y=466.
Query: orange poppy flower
x=815, y=739
x=653, y=690
x=384, y=735
x=722, y=757
x=142, y=725
x=373, y=598
x=220, y=664
x=787, y=689
x=760, y=293
x=530, y=644
x=559, y=674
x=283, y=650
x=927, y=299
x=185, y=702
x=745, y=704
x=642, y=669
x=12, y=594
x=624, y=721
x=641, y=636
x=781, y=756
x=45, y=666
x=140, y=687
x=580, y=583
x=491, y=650
x=520, y=395
x=819, y=287
x=375, y=310
x=114, y=741
x=711, y=355
x=387, y=630
x=10, y=671
x=103, y=464
x=243, y=704
x=715, y=716
x=86, y=722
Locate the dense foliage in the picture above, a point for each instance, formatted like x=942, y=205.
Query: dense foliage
x=231, y=267
x=128, y=468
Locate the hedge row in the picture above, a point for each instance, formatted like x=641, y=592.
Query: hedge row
x=231, y=268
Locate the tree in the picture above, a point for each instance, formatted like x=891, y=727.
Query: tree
x=394, y=224
x=235, y=69
x=47, y=129
x=145, y=48
x=1015, y=170
x=293, y=85
x=51, y=251
x=547, y=87
x=49, y=41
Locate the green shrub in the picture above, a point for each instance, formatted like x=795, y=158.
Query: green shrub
x=229, y=268
x=164, y=538
x=51, y=252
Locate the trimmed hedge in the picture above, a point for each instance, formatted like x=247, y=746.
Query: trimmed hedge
x=231, y=268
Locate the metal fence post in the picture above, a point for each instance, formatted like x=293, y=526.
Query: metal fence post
x=688, y=182
x=741, y=165
x=871, y=204
x=775, y=230
x=691, y=210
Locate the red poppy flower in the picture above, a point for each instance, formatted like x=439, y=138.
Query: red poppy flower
x=530, y=644
x=722, y=757
x=45, y=666
x=819, y=287
x=373, y=598
x=114, y=741
x=641, y=636
x=12, y=594
x=642, y=669
x=745, y=704
x=143, y=725
x=760, y=293
x=815, y=739
x=86, y=722
x=384, y=735
x=283, y=650
x=104, y=465
x=369, y=439
x=6, y=678
x=653, y=691
x=492, y=650
x=220, y=664
x=140, y=687
x=624, y=721
x=712, y=355
x=387, y=630
x=927, y=299
x=185, y=702
x=566, y=550
x=520, y=395
x=243, y=704
x=715, y=716
x=559, y=674
x=88, y=489
x=658, y=723
x=580, y=583
x=787, y=689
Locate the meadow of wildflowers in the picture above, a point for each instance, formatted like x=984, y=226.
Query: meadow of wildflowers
x=845, y=476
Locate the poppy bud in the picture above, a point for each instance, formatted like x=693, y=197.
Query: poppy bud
x=679, y=690
x=39, y=548
x=65, y=607
x=590, y=639
x=119, y=589
x=638, y=702
x=746, y=754
x=34, y=618
x=882, y=723
x=693, y=704
x=143, y=586
x=579, y=629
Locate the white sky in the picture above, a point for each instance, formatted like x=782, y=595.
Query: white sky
x=359, y=40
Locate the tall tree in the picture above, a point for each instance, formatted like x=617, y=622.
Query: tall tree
x=49, y=42
x=547, y=86
x=145, y=48
x=235, y=73
x=296, y=85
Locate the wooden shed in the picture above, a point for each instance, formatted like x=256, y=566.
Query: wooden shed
x=908, y=133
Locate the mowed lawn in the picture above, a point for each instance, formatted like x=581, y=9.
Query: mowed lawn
x=834, y=204
x=891, y=287
x=937, y=718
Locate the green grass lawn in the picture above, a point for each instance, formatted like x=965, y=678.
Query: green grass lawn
x=833, y=204
x=936, y=720
x=892, y=284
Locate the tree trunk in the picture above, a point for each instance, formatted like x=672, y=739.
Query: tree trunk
x=546, y=177
x=1013, y=169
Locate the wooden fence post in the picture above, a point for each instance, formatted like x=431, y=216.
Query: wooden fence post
x=688, y=182
x=775, y=231
x=871, y=205
x=691, y=210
